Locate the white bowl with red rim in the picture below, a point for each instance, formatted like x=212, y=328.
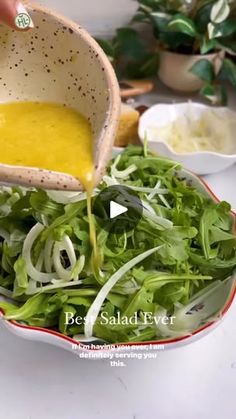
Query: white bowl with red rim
x=217, y=304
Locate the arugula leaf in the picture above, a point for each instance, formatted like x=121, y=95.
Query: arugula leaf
x=21, y=278
x=142, y=300
x=34, y=305
x=63, y=317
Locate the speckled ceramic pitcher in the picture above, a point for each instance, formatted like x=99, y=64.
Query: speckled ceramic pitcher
x=58, y=61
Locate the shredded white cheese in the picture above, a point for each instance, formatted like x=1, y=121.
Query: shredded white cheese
x=212, y=131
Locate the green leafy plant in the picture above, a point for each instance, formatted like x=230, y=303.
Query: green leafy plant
x=188, y=27
x=196, y=27
x=130, y=55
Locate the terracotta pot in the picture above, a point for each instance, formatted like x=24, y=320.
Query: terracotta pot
x=174, y=70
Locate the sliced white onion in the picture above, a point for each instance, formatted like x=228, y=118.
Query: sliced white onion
x=130, y=287
x=48, y=255
x=7, y=189
x=58, y=285
x=164, y=329
x=40, y=261
x=153, y=193
x=149, y=214
x=26, y=253
x=148, y=190
x=32, y=286
x=69, y=197
x=5, y=235
x=134, y=283
x=44, y=220
x=110, y=181
x=6, y=293
x=83, y=196
x=67, y=245
x=69, y=248
x=122, y=174
x=79, y=266
x=164, y=201
x=62, y=273
x=95, y=308
x=65, y=197
x=5, y=209
x=148, y=207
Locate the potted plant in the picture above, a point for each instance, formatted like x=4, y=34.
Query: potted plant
x=193, y=37
x=195, y=45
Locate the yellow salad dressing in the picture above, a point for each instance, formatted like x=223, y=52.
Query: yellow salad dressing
x=49, y=136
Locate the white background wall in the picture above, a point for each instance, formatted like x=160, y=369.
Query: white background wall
x=100, y=17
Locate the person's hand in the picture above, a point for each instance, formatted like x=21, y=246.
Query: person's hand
x=9, y=9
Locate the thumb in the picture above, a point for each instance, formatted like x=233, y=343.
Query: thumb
x=9, y=9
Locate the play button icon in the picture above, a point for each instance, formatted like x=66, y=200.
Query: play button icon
x=117, y=209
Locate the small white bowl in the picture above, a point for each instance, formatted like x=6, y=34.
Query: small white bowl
x=201, y=162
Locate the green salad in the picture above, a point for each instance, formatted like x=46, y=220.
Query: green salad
x=181, y=248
